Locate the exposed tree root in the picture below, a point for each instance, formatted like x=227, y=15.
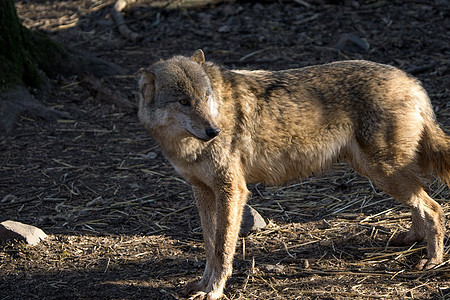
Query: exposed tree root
x=116, y=13
x=16, y=101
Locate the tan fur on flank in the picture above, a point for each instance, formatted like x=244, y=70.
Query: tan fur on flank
x=222, y=129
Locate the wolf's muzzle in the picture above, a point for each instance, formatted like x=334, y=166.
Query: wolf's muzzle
x=212, y=132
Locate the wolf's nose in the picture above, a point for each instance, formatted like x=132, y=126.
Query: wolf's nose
x=212, y=132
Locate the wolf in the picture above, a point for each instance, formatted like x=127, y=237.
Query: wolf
x=222, y=129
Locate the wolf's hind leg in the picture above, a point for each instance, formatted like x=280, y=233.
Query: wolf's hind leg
x=434, y=231
x=415, y=234
x=427, y=215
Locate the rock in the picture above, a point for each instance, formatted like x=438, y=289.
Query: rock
x=151, y=155
x=352, y=43
x=224, y=29
x=9, y=198
x=11, y=230
x=274, y=268
x=251, y=221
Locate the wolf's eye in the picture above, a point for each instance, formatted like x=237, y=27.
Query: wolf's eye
x=184, y=102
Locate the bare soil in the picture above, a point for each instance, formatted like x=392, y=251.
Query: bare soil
x=123, y=225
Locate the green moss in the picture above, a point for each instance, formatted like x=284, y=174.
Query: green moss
x=41, y=48
x=23, y=52
x=9, y=74
x=11, y=58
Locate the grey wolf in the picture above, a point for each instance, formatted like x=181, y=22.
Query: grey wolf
x=222, y=129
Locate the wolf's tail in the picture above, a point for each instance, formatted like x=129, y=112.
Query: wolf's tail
x=435, y=152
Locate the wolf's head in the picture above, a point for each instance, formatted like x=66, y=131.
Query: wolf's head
x=176, y=96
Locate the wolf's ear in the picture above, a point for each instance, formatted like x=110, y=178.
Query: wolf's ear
x=147, y=84
x=199, y=57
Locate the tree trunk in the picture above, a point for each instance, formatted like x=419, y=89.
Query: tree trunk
x=16, y=59
x=24, y=62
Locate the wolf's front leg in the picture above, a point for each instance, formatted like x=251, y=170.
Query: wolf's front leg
x=230, y=200
x=206, y=205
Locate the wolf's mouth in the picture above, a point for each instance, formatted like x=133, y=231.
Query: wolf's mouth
x=207, y=137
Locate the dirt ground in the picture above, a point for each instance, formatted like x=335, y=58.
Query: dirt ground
x=122, y=224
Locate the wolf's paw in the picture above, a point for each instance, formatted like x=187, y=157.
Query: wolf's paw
x=200, y=295
x=192, y=288
x=427, y=264
x=196, y=291
x=206, y=296
x=405, y=239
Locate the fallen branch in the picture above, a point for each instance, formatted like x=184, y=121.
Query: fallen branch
x=120, y=5
x=116, y=13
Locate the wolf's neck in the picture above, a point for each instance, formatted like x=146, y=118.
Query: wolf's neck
x=180, y=148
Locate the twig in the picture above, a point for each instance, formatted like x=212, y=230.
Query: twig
x=409, y=251
x=107, y=265
x=304, y=3
x=421, y=69
x=341, y=294
x=254, y=53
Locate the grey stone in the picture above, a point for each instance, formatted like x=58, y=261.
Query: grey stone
x=224, y=29
x=151, y=155
x=274, y=268
x=12, y=230
x=251, y=221
x=352, y=43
